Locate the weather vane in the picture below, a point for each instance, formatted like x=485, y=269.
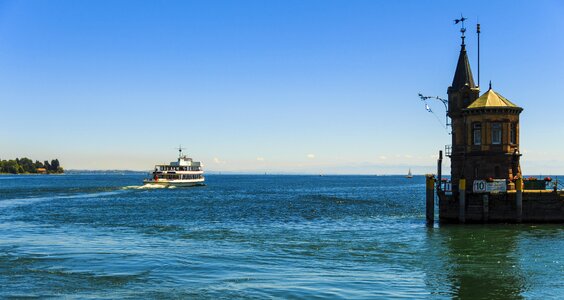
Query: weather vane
x=462, y=28
x=442, y=100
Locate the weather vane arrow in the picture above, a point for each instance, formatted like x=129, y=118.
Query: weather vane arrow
x=462, y=19
x=462, y=28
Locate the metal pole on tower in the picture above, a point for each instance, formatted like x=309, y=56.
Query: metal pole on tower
x=478, y=32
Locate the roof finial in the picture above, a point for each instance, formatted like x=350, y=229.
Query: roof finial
x=490, y=84
x=462, y=28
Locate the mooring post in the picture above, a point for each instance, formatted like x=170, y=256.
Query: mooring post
x=440, y=170
x=486, y=207
x=462, y=200
x=430, y=200
x=519, y=199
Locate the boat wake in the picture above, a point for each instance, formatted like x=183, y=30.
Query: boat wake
x=7, y=203
x=147, y=186
x=26, y=201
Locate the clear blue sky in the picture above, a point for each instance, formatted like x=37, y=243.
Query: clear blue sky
x=267, y=86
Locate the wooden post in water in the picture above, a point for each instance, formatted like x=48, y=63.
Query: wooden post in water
x=519, y=199
x=462, y=200
x=440, y=170
x=430, y=200
x=486, y=207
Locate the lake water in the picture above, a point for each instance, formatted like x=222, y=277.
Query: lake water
x=253, y=236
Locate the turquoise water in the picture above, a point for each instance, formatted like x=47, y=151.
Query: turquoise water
x=245, y=236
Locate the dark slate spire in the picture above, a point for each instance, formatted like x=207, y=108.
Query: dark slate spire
x=463, y=73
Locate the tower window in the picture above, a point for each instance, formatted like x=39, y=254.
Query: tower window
x=513, y=133
x=477, y=133
x=496, y=133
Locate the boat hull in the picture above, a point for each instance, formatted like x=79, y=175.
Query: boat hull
x=176, y=183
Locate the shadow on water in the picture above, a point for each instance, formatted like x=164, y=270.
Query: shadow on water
x=476, y=262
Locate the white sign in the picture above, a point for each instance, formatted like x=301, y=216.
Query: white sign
x=495, y=186
x=479, y=186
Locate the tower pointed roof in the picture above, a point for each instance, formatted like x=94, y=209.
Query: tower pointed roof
x=463, y=74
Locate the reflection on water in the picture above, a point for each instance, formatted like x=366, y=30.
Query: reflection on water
x=483, y=262
x=492, y=261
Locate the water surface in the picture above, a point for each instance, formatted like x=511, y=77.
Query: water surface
x=251, y=236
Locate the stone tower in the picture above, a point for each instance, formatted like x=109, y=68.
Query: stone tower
x=485, y=130
x=461, y=93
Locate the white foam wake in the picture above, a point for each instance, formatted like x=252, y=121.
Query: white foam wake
x=26, y=201
x=148, y=186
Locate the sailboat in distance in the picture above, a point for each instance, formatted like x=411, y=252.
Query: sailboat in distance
x=409, y=175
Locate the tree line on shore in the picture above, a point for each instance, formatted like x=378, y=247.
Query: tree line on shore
x=25, y=165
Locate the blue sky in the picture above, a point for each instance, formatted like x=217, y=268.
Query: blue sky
x=267, y=86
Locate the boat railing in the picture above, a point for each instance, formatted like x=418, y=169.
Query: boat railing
x=183, y=168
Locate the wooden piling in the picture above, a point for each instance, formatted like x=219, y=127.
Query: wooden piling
x=430, y=200
x=462, y=200
x=519, y=199
x=440, y=170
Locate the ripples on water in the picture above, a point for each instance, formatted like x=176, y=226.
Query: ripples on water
x=259, y=237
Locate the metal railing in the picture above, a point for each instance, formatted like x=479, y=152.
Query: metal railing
x=448, y=150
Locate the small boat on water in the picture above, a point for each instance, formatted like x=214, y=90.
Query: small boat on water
x=180, y=173
x=409, y=175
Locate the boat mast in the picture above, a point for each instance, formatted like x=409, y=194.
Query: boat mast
x=180, y=151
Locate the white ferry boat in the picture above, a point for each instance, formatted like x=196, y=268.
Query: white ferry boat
x=184, y=172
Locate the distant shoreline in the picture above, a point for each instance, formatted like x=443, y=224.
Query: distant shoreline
x=24, y=165
x=103, y=171
x=214, y=173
